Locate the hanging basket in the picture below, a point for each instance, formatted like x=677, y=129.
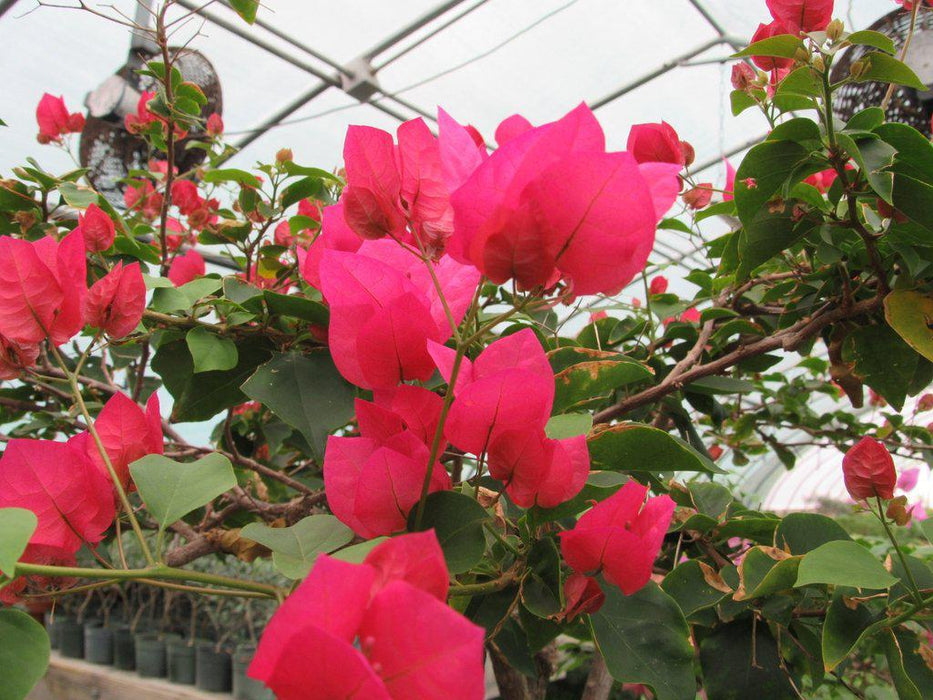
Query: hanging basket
x=907, y=105
x=110, y=151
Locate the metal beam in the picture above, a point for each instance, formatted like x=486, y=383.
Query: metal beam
x=410, y=29
x=278, y=116
x=6, y=6
x=656, y=73
x=714, y=23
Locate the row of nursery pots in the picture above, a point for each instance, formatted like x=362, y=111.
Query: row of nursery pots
x=159, y=655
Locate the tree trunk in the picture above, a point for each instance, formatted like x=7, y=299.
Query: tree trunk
x=598, y=682
x=515, y=685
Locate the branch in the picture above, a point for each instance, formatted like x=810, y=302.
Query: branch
x=789, y=339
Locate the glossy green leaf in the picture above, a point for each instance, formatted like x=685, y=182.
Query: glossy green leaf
x=305, y=391
x=16, y=527
x=241, y=177
x=644, y=639
x=882, y=361
x=210, y=351
x=887, y=69
x=909, y=314
x=297, y=307
x=740, y=661
x=877, y=40
x=770, y=165
x=24, y=653
x=295, y=548
x=641, y=448
x=780, y=46
x=765, y=571
x=583, y=382
x=568, y=425
x=173, y=489
x=695, y=586
x=800, y=533
x=457, y=520
x=541, y=587
x=842, y=627
x=843, y=563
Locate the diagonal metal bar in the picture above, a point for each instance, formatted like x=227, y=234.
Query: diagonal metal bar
x=410, y=28
x=714, y=23
x=656, y=73
x=6, y=6
x=278, y=116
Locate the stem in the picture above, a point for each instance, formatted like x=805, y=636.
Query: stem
x=118, y=485
x=496, y=584
x=157, y=572
x=504, y=542
x=828, y=104
x=162, y=41
x=910, y=35
x=914, y=588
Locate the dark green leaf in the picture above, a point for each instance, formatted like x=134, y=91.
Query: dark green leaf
x=843, y=563
x=740, y=661
x=24, y=653
x=457, y=520
x=210, y=351
x=640, y=448
x=800, y=533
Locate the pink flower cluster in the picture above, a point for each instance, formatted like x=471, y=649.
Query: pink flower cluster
x=379, y=630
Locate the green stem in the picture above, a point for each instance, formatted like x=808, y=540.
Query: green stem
x=828, y=106
x=914, y=588
x=497, y=584
x=157, y=572
x=504, y=542
x=118, y=485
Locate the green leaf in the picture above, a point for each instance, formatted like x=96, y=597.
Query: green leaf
x=801, y=81
x=765, y=571
x=173, y=489
x=877, y=40
x=209, y=351
x=77, y=195
x=910, y=313
x=541, y=586
x=740, y=100
x=780, y=46
x=311, y=186
x=583, y=382
x=232, y=175
x=868, y=119
x=913, y=678
x=695, y=586
x=644, y=638
x=927, y=527
x=638, y=447
x=355, y=554
x=457, y=520
x=740, y=660
x=568, y=425
x=16, y=527
x=882, y=360
x=842, y=628
x=720, y=385
x=203, y=287
x=295, y=548
x=24, y=653
x=305, y=391
x=843, y=563
x=246, y=9
x=201, y=396
x=767, y=234
x=800, y=533
x=297, y=307
x=770, y=165
x=887, y=69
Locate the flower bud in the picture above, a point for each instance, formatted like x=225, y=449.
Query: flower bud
x=688, y=152
x=802, y=56
x=868, y=470
x=284, y=155
x=897, y=511
x=698, y=197
x=818, y=63
x=835, y=29
x=215, y=125
x=743, y=76
x=859, y=68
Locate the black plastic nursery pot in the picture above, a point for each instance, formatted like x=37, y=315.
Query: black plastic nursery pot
x=98, y=644
x=180, y=658
x=244, y=687
x=151, y=659
x=70, y=638
x=124, y=648
x=214, y=669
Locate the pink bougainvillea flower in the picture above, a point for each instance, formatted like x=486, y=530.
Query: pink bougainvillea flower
x=382, y=316
x=655, y=143
x=620, y=537
x=97, y=229
x=10, y=594
x=371, y=198
x=546, y=204
x=715, y=452
x=115, y=303
x=54, y=119
x=907, y=481
x=743, y=76
x=42, y=288
x=582, y=596
x=127, y=433
x=511, y=128
x=461, y=150
x=185, y=196
x=918, y=513
x=15, y=357
x=335, y=235
x=424, y=194
x=691, y=315
x=766, y=31
x=136, y=123
x=658, y=285
x=215, y=125
x=510, y=387
x=373, y=631
x=72, y=500
x=416, y=558
x=869, y=471
x=538, y=470
x=372, y=483
x=729, y=188
x=406, y=407
x=186, y=267
x=700, y=196
x=802, y=15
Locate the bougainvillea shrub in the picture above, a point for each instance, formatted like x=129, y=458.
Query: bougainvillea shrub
x=469, y=423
